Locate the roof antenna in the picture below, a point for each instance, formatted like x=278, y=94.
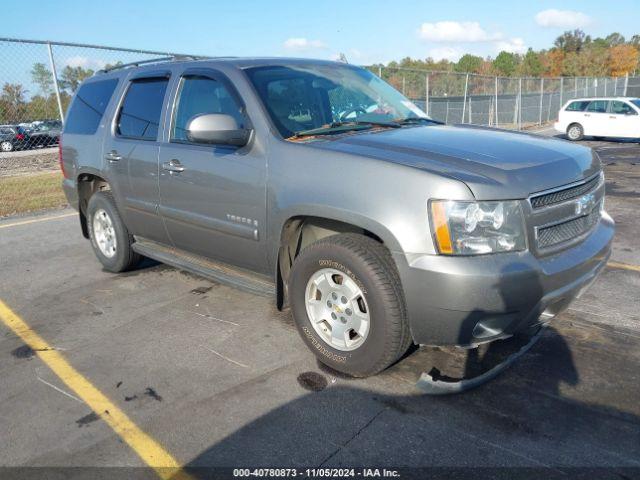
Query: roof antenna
x=342, y=58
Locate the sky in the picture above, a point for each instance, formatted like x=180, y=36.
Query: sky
x=366, y=32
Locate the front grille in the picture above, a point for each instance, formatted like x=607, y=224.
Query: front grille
x=547, y=199
x=562, y=232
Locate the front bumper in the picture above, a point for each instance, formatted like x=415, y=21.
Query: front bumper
x=475, y=299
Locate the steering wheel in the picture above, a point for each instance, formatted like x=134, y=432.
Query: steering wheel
x=346, y=113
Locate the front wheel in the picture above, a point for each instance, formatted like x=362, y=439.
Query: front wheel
x=348, y=304
x=110, y=239
x=575, y=132
x=6, y=146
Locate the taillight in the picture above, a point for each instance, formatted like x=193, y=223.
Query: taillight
x=20, y=136
x=60, y=159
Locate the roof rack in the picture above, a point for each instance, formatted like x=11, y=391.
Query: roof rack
x=171, y=58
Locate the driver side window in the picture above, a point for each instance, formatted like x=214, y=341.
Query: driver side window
x=621, y=108
x=200, y=95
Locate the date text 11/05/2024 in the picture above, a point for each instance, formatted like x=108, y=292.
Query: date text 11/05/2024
x=316, y=472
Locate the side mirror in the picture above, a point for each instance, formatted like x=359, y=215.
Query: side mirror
x=216, y=128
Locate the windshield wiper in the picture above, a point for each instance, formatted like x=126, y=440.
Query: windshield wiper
x=338, y=127
x=416, y=120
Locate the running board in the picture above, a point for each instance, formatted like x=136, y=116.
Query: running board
x=205, y=267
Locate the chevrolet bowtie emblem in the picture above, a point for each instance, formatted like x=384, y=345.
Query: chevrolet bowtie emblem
x=585, y=204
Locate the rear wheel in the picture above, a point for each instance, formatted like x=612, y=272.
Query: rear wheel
x=575, y=132
x=6, y=146
x=348, y=304
x=110, y=239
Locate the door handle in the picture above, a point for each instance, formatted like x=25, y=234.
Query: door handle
x=612, y=117
x=113, y=156
x=587, y=114
x=173, y=166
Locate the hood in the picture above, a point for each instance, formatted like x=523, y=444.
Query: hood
x=494, y=164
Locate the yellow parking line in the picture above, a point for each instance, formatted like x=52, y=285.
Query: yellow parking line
x=36, y=220
x=624, y=266
x=148, y=449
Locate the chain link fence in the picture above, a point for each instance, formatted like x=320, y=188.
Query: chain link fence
x=504, y=102
x=38, y=80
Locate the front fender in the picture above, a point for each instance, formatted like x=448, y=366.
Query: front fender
x=388, y=199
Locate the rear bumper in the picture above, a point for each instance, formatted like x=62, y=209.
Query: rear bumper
x=475, y=299
x=559, y=127
x=71, y=192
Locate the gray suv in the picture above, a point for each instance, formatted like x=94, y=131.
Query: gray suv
x=319, y=184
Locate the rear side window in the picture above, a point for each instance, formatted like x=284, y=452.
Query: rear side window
x=139, y=115
x=577, y=106
x=598, y=106
x=88, y=107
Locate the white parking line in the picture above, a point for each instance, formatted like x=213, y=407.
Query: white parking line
x=543, y=130
x=36, y=220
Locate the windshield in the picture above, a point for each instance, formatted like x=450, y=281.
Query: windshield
x=301, y=98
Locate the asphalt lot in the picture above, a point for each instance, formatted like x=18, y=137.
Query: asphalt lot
x=218, y=377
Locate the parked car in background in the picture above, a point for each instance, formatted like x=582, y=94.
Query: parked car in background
x=617, y=117
x=46, y=134
x=319, y=184
x=13, y=137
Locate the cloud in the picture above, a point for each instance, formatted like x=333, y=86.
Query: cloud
x=301, y=44
x=452, y=54
x=513, y=45
x=85, y=62
x=458, y=32
x=562, y=18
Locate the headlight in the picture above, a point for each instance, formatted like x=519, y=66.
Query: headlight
x=472, y=228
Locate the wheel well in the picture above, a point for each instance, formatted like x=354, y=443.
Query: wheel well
x=299, y=232
x=88, y=184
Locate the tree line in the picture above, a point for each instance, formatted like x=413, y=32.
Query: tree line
x=574, y=54
x=18, y=104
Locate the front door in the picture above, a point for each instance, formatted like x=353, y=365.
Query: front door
x=213, y=197
x=623, y=119
x=131, y=156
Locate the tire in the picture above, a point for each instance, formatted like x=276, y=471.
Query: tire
x=575, y=132
x=6, y=146
x=352, y=262
x=102, y=212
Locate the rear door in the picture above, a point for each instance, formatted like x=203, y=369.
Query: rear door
x=595, y=121
x=131, y=154
x=216, y=205
x=573, y=113
x=624, y=120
